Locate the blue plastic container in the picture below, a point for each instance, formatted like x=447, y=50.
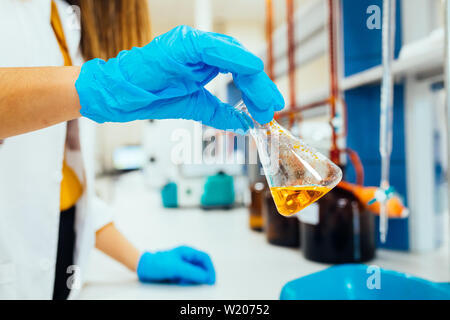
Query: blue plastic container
x=353, y=282
x=169, y=195
x=218, y=192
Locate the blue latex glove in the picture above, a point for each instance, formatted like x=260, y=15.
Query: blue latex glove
x=166, y=79
x=183, y=265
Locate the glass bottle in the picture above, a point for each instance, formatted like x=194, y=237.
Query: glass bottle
x=257, y=191
x=280, y=230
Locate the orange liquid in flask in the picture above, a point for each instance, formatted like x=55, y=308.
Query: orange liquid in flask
x=290, y=200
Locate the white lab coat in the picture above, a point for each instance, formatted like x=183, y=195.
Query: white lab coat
x=31, y=165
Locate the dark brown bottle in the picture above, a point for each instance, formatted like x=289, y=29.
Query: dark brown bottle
x=280, y=230
x=343, y=233
x=256, y=208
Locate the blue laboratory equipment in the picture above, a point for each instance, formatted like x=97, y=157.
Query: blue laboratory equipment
x=363, y=282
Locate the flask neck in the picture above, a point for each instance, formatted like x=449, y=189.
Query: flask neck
x=268, y=126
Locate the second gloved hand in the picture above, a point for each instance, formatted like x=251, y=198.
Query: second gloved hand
x=183, y=265
x=166, y=79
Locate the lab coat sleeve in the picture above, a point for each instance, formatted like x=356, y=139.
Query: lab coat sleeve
x=100, y=212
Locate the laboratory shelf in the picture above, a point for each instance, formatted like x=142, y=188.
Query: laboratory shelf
x=421, y=58
x=247, y=266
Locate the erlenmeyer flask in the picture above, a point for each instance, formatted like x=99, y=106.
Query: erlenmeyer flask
x=297, y=174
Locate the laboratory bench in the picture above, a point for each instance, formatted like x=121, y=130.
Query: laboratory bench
x=247, y=266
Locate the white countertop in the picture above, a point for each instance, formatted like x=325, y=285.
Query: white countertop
x=247, y=266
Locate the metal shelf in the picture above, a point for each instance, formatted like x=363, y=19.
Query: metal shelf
x=421, y=58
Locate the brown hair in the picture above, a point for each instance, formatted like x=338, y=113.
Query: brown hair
x=109, y=26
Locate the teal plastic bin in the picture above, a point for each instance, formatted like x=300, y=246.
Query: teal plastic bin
x=218, y=192
x=169, y=195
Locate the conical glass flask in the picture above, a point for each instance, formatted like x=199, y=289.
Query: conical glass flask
x=297, y=174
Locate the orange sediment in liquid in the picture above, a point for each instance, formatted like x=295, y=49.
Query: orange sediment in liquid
x=290, y=200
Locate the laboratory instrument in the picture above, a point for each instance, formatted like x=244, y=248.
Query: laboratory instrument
x=386, y=106
x=297, y=174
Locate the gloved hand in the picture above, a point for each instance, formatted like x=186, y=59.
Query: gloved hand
x=166, y=79
x=179, y=265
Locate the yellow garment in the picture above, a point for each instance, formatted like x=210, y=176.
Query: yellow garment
x=59, y=34
x=71, y=188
